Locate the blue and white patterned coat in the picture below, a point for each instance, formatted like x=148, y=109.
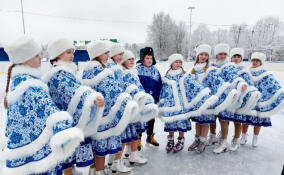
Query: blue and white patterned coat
x=218, y=87
x=212, y=80
x=247, y=101
x=130, y=133
x=120, y=109
x=39, y=135
x=272, y=94
x=183, y=97
x=228, y=72
x=68, y=94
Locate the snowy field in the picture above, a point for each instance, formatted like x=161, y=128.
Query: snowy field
x=267, y=158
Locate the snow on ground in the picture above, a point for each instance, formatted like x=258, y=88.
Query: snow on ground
x=267, y=158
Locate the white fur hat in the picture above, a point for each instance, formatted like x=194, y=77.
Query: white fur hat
x=127, y=55
x=222, y=48
x=58, y=47
x=258, y=55
x=116, y=49
x=22, y=49
x=237, y=51
x=174, y=57
x=97, y=48
x=203, y=48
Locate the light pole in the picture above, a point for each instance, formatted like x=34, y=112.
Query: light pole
x=23, y=17
x=189, y=42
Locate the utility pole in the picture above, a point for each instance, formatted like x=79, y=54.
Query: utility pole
x=190, y=24
x=23, y=17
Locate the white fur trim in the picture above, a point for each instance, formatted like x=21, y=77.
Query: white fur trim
x=272, y=112
x=203, y=75
x=132, y=71
x=130, y=114
x=202, y=109
x=98, y=78
x=37, y=144
x=198, y=112
x=54, y=70
x=85, y=116
x=175, y=72
x=107, y=119
x=173, y=118
x=71, y=65
x=154, y=112
x=272, y=99
x=92, y=127
x=131, y=88
x=235, y=82
x=261, y=76
x=14, y=96
x=199, y=66
x=115, y=68
x=24, y=69
x=201, y=94
x=55, y=157
x=247, y=109
x=177, y=106
x=228, y=101
x=62, y=141
x=257, y=69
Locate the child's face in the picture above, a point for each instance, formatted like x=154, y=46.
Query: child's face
x=221, y=57
x=236, y=59
x=203, y=57
x=129, y=63
x=104, y=57
x=34, y=62
x=67, y=56
x=148, y=61
x=255, y=63
x=176, y=65
x=117, y=58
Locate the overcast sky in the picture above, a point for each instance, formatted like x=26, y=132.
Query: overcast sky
x=126, y=20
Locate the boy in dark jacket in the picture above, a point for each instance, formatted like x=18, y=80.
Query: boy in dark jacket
x=150, y=79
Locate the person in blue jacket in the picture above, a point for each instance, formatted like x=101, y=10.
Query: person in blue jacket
x=151, y=81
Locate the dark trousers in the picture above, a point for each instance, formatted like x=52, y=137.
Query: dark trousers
x=282, y=171
x=150, y=128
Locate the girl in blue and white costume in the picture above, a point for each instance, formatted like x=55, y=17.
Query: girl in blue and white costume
x=83, y=103
x=129, y=136
x=208, y=77
x=120, y=109
x=40, y=137
x=228, y=73
x=272, y=95
x=115, y=163
x=181, y=98
x=147, y=107
x=247, y=100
